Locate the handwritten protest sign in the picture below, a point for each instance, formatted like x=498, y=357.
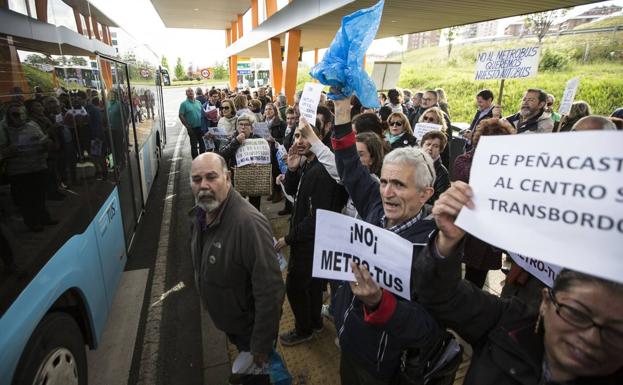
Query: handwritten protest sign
x=545, y=272
x=569, y=96
x=253, y=151
x=552, y=196
x=422, y=128
x=261, y=129
x=341, y=239
x=219, y=132
x=508, y=63
x=309, y=101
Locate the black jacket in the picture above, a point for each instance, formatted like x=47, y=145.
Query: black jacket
x=442, y=181
x=377, y=346
x=228, y=151
x=278, y=130
x=407, y=140
x=316, y=190
x=501, y=331
x=477, y=119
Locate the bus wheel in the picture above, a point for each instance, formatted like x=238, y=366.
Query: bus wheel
x=55, y=354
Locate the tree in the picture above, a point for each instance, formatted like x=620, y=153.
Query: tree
x=540, y=23
x=165, y=62
x=220, y=71
x=179, y=69
x=451, y=34
x=36, y=59
x=78, y=60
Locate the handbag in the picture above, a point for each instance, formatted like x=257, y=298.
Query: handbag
x=433, y=364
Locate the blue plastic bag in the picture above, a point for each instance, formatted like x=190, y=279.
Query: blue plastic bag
x=342, y=64
x=279, y=375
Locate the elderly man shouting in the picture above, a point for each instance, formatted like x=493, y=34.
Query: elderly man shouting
x=374, y=326
x=236, y=268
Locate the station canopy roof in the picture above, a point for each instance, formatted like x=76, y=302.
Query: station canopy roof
x=319, y=20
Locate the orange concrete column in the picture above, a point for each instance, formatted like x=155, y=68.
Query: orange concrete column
x=255, y=15
x=234, y=31
x=240, y=27
x=42, y=10
x=96, y=30
x=276, y=66
x=78, y=21
x=109, y=35
x=89, y=29
x=271, y=8
x=233, y=72
x=106, y=37
x=11, y=72
x=227, y=37
x=315, y=62
x=293, y=43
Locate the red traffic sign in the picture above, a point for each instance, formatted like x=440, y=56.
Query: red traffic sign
x=206, y=73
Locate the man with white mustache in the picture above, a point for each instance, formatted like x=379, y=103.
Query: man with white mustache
x=236, y=269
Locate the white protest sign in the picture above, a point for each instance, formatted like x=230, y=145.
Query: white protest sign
x=341, y=239
x=568, y=96
x=253, y=151
x=219, y=132
x=422, y=128
x=309, y=101
x=558, y=196
x=261, y=129
x=545, y=272
x=515, y=63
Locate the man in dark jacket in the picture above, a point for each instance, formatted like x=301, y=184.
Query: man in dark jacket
x=313, y=189
x=532, y=116
x=236, y=268
x=434, y=142
x=484, y=101
x=374, y=326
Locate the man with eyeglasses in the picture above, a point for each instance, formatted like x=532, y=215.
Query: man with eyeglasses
x=190, y=115
x=434, y=142
x=532, y=117
x=365, y=314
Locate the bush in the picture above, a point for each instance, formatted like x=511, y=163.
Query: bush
x=554, y=61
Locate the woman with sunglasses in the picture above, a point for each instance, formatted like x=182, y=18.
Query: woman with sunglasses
x=434, y=115
x=399, y=133
x=228, y=118
x=574, y=337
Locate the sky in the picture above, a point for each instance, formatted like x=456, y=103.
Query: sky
x=206, y=47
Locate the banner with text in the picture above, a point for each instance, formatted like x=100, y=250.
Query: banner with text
x=545, y=272
x=569, y=96
x=553, y=196
x=261, y=129
x=516, y=63
x=309, y=101
x=422, y=128
x=253, y=151
x=341, y=239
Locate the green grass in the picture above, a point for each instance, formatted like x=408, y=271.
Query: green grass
x=601, y=83
x=609, y=22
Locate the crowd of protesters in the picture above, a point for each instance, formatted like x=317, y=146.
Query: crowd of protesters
x=367, y=163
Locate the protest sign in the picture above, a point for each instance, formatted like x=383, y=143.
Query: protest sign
x=341, y=239
x=261, y=129
x=513, y=63
x=309, y=101
x=422, y=128
x=568, y=96
x=545, y=272
x=557, y=196
x=253, y=151
x=219, y=132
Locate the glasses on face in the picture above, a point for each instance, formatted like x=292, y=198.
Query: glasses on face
x=244, y=124
x=609, y=336
x=550, y=104
x=225, y=108
x=396, y=123
x=428, y=119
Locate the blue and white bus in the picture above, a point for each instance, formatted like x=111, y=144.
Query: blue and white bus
x=77, y=162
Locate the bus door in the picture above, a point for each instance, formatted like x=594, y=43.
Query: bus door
x=122, y=163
